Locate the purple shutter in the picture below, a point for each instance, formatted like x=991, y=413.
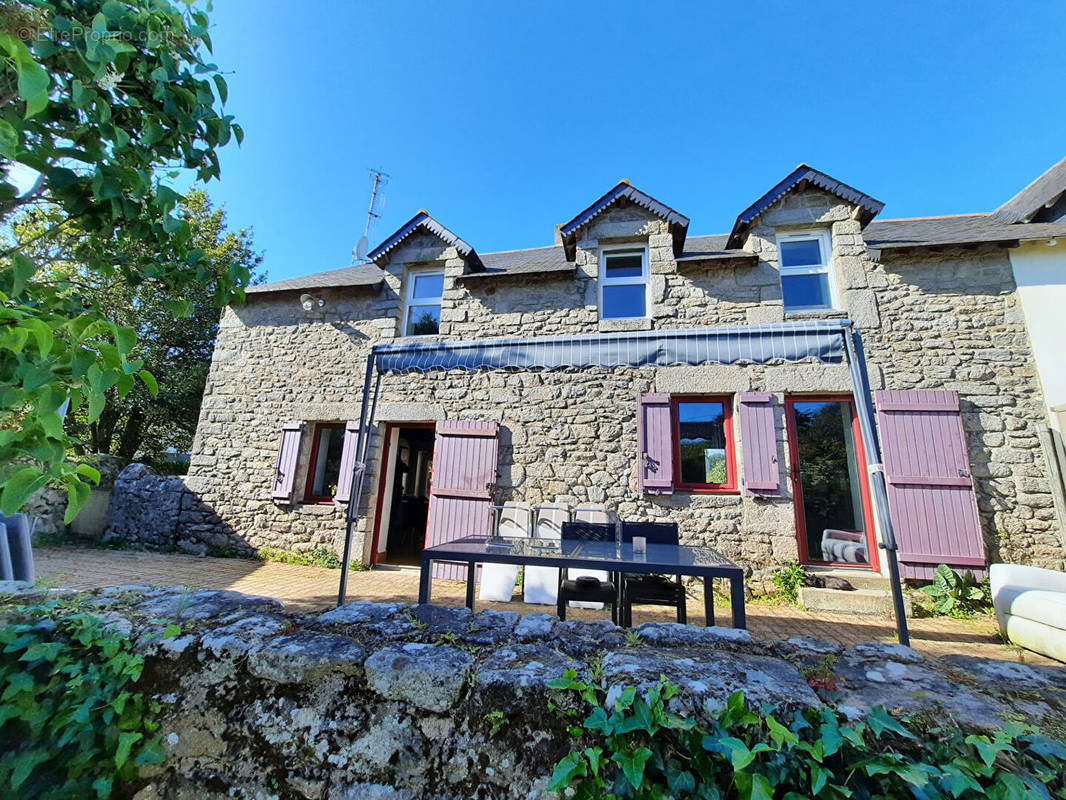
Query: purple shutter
x=930, y=489
x=344, y=478
x=464, y=479
x=655, y=445
x=758, y=438
x=288, y=453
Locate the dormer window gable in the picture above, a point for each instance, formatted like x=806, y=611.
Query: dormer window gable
x=622, y=195
x=800, y=179
x=422, y=222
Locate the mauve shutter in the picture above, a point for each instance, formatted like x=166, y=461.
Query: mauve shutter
x=655, y=446
x=464, y=479
x=930, y=489
x=288, y=453
x=759, y=442
x=344, y=478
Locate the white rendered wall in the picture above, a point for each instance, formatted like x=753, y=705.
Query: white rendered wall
x=1040, y=272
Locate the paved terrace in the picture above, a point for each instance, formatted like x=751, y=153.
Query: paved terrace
x=313, y=588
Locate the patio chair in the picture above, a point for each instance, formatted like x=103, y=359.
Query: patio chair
x=498, y=580
x=540, y=585
x=20, y=545
x=658, y=590
x=588, y=514
x=587, y=588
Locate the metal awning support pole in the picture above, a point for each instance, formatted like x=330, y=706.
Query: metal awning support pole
x=864, y=407
x=355, y=490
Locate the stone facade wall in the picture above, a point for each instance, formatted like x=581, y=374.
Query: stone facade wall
x=383, y=701
x=948, y=322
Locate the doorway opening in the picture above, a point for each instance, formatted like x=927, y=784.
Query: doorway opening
x=834, y=522
x=403, y=494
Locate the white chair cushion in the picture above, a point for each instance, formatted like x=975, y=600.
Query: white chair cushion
x=1038, y=605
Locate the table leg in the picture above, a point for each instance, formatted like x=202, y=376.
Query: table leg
x=736, y=593
x=708, y=601
x=425, y=581
x=470, y=571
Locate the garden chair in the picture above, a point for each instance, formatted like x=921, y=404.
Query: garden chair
x=659, y=590
x=587, y=588
x=498, y=580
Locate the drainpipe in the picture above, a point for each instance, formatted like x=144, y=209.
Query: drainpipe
x=860, y=380
x=355, y=486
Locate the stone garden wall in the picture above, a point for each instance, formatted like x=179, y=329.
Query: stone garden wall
x=950, y=321
x=390, y=702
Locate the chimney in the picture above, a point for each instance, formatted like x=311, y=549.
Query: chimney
x=558, y=236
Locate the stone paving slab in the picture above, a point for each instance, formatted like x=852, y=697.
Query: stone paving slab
x=315, y=588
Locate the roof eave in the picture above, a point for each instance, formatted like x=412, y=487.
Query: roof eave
x=799, y=180
x=380, y=255
x=625, y=192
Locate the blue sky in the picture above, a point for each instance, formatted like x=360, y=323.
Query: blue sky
x=503, y=119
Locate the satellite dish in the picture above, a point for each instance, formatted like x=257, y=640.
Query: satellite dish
x=361, y=248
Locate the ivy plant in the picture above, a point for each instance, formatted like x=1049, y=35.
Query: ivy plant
x=635, y=747
x=103, y=106
x=72, y=718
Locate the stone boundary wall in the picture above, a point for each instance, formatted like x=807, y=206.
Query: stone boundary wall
x=384, y=701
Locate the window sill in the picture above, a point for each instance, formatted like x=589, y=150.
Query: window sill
x=703, y=490
x=821, y=313
x=619, y=324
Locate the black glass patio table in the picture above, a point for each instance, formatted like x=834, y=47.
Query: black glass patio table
x=657, y=559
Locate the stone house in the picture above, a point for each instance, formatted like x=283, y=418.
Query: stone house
x=958, y=394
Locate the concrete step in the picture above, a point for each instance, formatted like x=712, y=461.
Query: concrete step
x=860, y=601
x=859, y=578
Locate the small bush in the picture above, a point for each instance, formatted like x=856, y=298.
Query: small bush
x=958, y=595
x=319, y=557
x=72, y=721
x=639, y=749
x=788, y=579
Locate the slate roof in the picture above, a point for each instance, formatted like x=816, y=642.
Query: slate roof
x=423, y=221
x=624, y=190
x=531, y=261
x=803, y=173
x=890, y=234
x=1030, y=200
x=358, y=275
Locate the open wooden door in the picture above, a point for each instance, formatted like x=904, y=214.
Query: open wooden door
x=464, y=480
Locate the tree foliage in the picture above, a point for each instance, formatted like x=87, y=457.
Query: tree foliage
x=176, y=349
x=103, y=104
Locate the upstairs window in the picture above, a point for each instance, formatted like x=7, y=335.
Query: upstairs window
x=623, y=283
x=324, y=468
x=425, y=291
x=703, y=436
x=805, y=280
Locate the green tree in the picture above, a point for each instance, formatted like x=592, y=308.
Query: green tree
x=177, y=350
x=103, y=104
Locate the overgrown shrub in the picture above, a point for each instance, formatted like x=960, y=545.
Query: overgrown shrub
x=958, y=595
x=788, y=578
x=72, y=721
x=636, y=748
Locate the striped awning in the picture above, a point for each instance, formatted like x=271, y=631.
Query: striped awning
x=821, y=340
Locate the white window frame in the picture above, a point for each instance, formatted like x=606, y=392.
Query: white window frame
x=409, y=300
x=642, y=280
x=825, y=243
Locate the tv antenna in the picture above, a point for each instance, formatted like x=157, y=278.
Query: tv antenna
x=377, y=207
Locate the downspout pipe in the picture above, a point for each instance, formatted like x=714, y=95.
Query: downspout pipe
x=355, y=490
x=864, y=407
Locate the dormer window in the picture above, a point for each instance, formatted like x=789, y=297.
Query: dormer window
x=623, y=283
x=425, y=291
x=805, y=262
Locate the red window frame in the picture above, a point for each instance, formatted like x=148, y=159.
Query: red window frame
x=730, y=486
x=312, y=464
